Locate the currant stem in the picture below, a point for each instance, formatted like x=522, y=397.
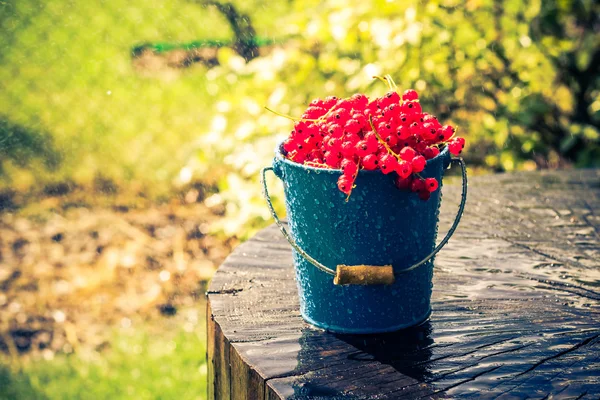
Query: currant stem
x=383, y=142
x=317, y=164
x=283, y=115
x=324, y=116
x=387, y=81
x=382, y=79
x=391, y=82
x=290, y=117
x=321, y=118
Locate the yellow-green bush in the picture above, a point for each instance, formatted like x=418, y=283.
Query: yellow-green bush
x=520, y=79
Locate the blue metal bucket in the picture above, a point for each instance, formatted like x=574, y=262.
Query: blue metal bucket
x=379, y=225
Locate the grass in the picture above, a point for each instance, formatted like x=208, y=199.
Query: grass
x=141, y=364
x=66, y=69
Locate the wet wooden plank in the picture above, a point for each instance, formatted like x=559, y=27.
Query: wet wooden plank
x=516, y=308
x=210, y=352
x=219, y=381
x=369, y=380
x=246, y=383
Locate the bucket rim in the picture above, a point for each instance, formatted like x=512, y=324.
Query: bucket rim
x=279, y=157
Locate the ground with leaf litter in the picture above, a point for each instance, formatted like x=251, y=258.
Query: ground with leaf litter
x=71, y=267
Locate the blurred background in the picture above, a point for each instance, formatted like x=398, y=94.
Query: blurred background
x=132, y=133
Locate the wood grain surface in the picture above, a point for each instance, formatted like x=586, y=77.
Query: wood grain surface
x=516, y=308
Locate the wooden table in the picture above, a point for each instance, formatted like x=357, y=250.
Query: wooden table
x=516, y=308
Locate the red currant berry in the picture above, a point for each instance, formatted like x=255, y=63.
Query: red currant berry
x=388, y=99
x=344, y=184
x=332, y=143
x=347, y=149
x=315, y=156
x=408, y=153
x=428, y=131
x=333, y=158
x=330, y=102
x=417, y=185
x=361, y=118
x=317, y=103
x=456, y=145
x=313, y=143
x=424, y=195
x=349, y=167
x=427, y=118
x=352, y=126
x=289, y=145
x=410, y=95
x=339, y=116
x=370, y=162
x=351, y=137
x=359, y=101
x=297, y=157
x=439, y=135
x=387, y=163
x=454, y=148
x=404, y=169
x=403, y=132
x=403, y=184
x=391, y=111
x=391, y=140
x=403, y=118
x=301, y=127
x=420, y=147
x=431, y=184
x=384, y=128
x=411, y=107
x=430, y=118
x=372, y=142
x=446, y=133
x=313, y=112
x=415, y=129
x=418, y=164
x=362, y=148
x=334, y=130
x=430, y=152
x=410, y=142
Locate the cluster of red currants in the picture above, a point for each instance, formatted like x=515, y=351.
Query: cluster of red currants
x=390, y=133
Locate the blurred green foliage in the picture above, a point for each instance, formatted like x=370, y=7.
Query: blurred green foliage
x=139, y=365
x=519, y=79
x=21, y=145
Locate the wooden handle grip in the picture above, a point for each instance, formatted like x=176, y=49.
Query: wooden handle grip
x=364, y=275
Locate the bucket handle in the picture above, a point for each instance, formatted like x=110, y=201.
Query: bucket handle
x=329, y=271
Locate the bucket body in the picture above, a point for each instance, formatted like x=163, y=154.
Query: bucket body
x=379, y=225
